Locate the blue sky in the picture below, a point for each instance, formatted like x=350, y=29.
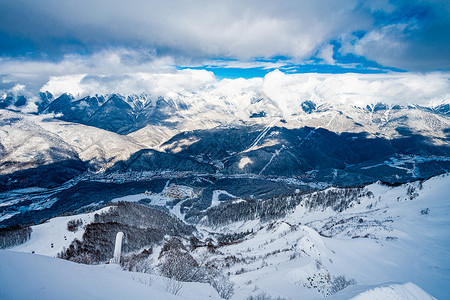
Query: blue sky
x=342, y=64
x=39, y=39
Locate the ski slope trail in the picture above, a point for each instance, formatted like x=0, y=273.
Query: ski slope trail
x=307, y=137
x=261, y=135
x=277, y=152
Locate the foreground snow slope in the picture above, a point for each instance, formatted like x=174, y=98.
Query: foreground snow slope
x=31, y=276
x=390, y=291
x=400, y=234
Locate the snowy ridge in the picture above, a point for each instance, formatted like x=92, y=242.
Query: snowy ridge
x=189, y=112
x=29, y=276
x=31, y=141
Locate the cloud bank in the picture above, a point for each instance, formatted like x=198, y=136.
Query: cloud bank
x=283, y=89
x=129, y=72
x=406, y=34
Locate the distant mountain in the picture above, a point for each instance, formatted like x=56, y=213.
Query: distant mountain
x=10, y=100
x=333, y=143
x=314, y=154
x=37, y=150
x=126, y=114
x=131, y=113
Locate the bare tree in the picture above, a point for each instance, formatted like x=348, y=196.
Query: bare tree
x=173, y=286
x=223, y=286
x=73, y=225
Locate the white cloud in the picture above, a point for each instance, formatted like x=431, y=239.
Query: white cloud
x=156, y=84
x=410, y=34
x=71, y=84
x=112, y=63
x=326, y=54
x=359, y=89
x=18, y=88
x=285, y=90
x=232, y=29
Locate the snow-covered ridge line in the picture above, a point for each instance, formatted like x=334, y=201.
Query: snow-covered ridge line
x=139, y=100
x=189, y=85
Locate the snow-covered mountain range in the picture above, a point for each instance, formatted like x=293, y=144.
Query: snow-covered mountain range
x=249, y=133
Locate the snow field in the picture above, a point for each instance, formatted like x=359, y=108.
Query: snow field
x=31, y=276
